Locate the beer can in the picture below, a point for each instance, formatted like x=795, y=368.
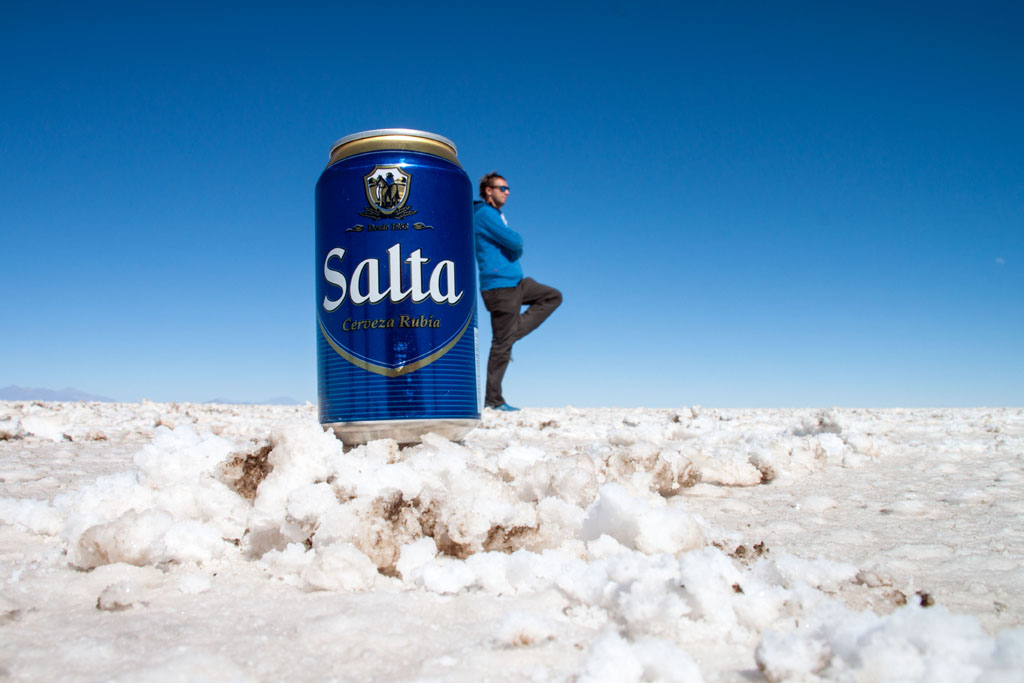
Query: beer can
x=396, y=289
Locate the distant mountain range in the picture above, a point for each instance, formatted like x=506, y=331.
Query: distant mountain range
x=16, y=393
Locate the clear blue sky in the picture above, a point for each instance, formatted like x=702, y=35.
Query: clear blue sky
x=744, y=204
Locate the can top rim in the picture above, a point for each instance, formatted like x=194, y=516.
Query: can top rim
x=411, y=132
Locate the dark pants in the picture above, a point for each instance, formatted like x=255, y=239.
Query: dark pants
x=508, y=325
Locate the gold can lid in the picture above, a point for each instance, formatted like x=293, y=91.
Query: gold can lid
x=399, y=139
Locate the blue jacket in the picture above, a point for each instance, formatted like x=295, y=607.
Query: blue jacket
x=498, y=248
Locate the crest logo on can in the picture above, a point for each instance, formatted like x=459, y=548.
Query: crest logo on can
x=387, y=189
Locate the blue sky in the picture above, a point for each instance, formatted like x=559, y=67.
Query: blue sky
x=745, y=205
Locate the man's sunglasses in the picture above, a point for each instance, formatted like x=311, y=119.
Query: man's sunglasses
x=503, y=188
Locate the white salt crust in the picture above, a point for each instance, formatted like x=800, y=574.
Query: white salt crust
x=204, y=542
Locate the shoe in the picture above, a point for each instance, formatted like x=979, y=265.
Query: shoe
x=504, y=407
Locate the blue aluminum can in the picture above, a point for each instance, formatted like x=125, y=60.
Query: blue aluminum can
x=396, y=289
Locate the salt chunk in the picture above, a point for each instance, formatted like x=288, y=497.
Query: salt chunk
x=668, y=531
x=664, y=662
x=791, y=656
x=575, y=481
x=833, y=448
x=50, y=428
x=384, y=450
x=647, y=596
x=150, y=537
x=1008, y=659
x=615, y=513
x=523, y=629
x=863, y=444
x=300, y=456
x=289, y=563
x=558, y=520
x=10, y=428
x=447, y=575
x=610, y=659
x=491, y=571
x=913, y=643
x=118, y=596
x=732, y=470
x=340, y=567
x=414, y=556
x=191, y=541
x=132, y=538
x=768, y=461
x=515, y=461
x=709, y=578
x=636, y=525
x=35, y=515
x=824, y=574
x=535, y=572
x=604, y=546
x=308, y=503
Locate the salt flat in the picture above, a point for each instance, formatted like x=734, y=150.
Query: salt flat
x=213, y=542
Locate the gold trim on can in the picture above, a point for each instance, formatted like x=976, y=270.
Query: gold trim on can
x=394, y=139
x=401, y=370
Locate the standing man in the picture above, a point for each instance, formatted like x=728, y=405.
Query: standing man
x=502, y=285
